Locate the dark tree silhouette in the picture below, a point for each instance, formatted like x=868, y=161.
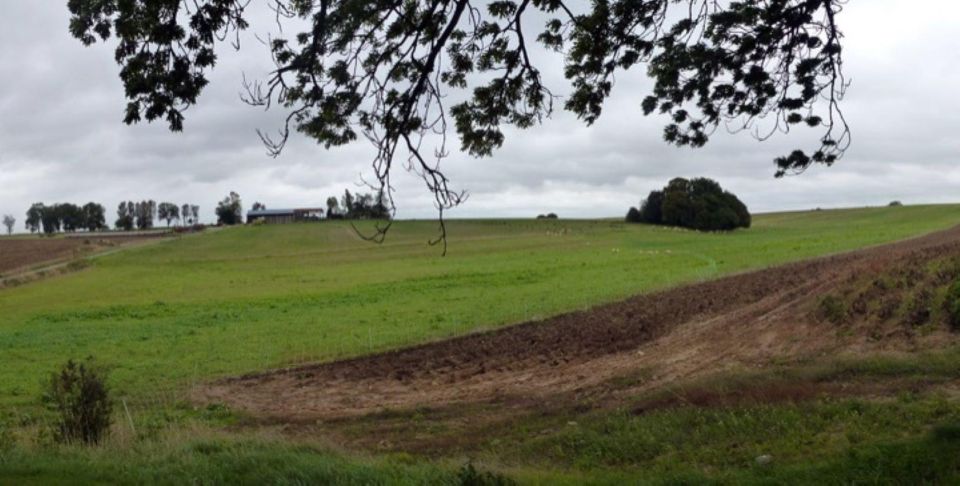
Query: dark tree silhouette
x=699, y=204
x=230, y=210
x=145, y=212
x=333, y=208
x=650, y=210
x=168, y=212
x=126, y=215
x=34, y=217
x=9, y=221
x=50, y=219
x=94, y=217
x=381, y=69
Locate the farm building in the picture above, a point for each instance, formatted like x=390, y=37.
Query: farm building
x=282, y=216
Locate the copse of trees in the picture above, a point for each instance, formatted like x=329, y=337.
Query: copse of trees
x=135, y=214
x=126, y=214
x=145, y=212
x=699, y=204
x=190, y=214
x=358, y=206
x=141, y=215
x=230, y=210
x=94, y=217
x=65, y=217
x=364, y=206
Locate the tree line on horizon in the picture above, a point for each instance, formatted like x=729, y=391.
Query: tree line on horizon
x=66, y=217
x=358, y=206
x=349, y=206
x=69, y=218
x=141, y=215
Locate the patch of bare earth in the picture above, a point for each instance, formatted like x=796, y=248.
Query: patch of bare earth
x=19, y=256
x=593, y=358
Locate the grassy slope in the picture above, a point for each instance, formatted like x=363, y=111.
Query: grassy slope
x=254, y=297
x=213, y=304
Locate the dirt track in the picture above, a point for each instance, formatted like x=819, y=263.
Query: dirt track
x=20, y=254
x=739, y=321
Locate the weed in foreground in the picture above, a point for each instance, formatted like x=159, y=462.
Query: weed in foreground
x=78, y=394
x=833, y=309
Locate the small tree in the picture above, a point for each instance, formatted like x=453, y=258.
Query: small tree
x=230, y=210
x=349, y=211
x=381, y=210
x=168, y=212
x=94, y=217
x=124, y=217
x=146, y=212
x=71, y=217
x=650, y=210
x=633, y=216
x=79, y=394
x=9, y=221
x=50, y=219
x=333, y=208
x=35, y=217
x=259, y=206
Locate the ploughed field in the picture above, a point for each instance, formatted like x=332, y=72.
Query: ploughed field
x=641, y=350
x=23, y=253
x=746, y=320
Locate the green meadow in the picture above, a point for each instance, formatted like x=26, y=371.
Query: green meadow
x=165, y=316
x=250, y=298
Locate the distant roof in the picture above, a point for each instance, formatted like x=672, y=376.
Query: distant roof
x=281, y=212
x=270, y=212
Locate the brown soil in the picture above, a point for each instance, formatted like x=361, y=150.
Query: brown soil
x=21, y=254
x=600, y=356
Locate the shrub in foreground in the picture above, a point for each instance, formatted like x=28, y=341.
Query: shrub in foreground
x=952, y=305
x=833, y=309
x=78, y=394
x=471, y=476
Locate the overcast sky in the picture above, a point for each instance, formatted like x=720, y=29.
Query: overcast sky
x=62, y=140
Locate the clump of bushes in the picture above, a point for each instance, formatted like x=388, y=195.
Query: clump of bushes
x=918, y=310
x=470, y=476
x=78, y=394
x=196, y=228
x=548, y=216
x=6, y=440
x=699, y=204
x=895, y=204
x=952, y=305
x=833, y=309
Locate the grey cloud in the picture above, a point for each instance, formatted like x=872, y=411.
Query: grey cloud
x=61, y=136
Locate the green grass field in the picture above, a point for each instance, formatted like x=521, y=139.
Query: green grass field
x=165, y=316
x=250, y=298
